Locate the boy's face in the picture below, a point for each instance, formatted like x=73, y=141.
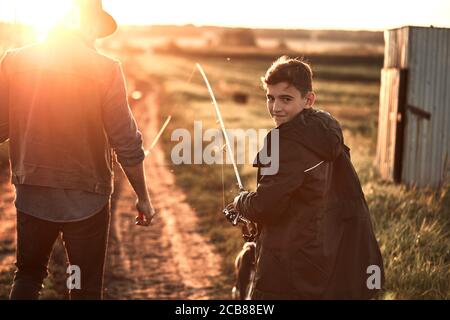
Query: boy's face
x=284, y=102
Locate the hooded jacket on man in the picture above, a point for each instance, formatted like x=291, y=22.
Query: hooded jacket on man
x=316, y=239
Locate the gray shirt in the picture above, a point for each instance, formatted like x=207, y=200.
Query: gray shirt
x=58, y=205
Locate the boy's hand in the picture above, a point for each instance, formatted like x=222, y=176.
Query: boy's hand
x=236, y=199
x=230, y=213
x=146, y=212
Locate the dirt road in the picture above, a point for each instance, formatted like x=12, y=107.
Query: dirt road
x=170, y=259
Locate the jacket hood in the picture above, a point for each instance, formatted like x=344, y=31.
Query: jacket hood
x=317, y=131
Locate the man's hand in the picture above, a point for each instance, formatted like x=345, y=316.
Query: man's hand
x=136, y=176
x=146, y=212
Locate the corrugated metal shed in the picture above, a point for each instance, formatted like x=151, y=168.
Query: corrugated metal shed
x=414, y=120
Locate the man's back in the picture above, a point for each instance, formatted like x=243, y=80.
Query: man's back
x=61, y=93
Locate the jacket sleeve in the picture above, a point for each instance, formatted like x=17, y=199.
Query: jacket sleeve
x=119, y=123
x=4, y=102
x=274, y=192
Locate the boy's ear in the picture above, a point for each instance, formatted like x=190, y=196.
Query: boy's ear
x=310, y=98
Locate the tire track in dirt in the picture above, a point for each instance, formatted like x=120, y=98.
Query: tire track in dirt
x=170, y=259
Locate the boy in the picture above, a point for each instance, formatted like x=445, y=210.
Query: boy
x=315, y=237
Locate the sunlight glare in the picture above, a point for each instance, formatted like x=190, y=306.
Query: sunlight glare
x=43, y=15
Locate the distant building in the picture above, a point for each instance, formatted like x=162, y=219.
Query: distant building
x=414, y=119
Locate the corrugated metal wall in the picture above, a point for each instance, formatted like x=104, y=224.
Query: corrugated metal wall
x=427, y=127
x=425, y=145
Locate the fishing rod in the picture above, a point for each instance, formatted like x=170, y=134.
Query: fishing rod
x=140, y=217
x=222, y=127
x=233, y=216
x=155, y=140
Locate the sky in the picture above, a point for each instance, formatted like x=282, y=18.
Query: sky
x=289, y=14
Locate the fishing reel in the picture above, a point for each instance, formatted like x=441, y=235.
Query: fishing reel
x=249, y=228
x=233, y=216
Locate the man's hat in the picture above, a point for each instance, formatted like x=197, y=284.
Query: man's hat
x=92, y=10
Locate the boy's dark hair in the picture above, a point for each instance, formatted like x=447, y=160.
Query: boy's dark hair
x=294, y=71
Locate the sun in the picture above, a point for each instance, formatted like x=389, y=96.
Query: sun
x=43, y=15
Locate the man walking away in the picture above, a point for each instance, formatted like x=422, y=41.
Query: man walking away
x=64, y=108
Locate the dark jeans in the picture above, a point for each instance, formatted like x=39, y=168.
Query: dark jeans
x=85, y=242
